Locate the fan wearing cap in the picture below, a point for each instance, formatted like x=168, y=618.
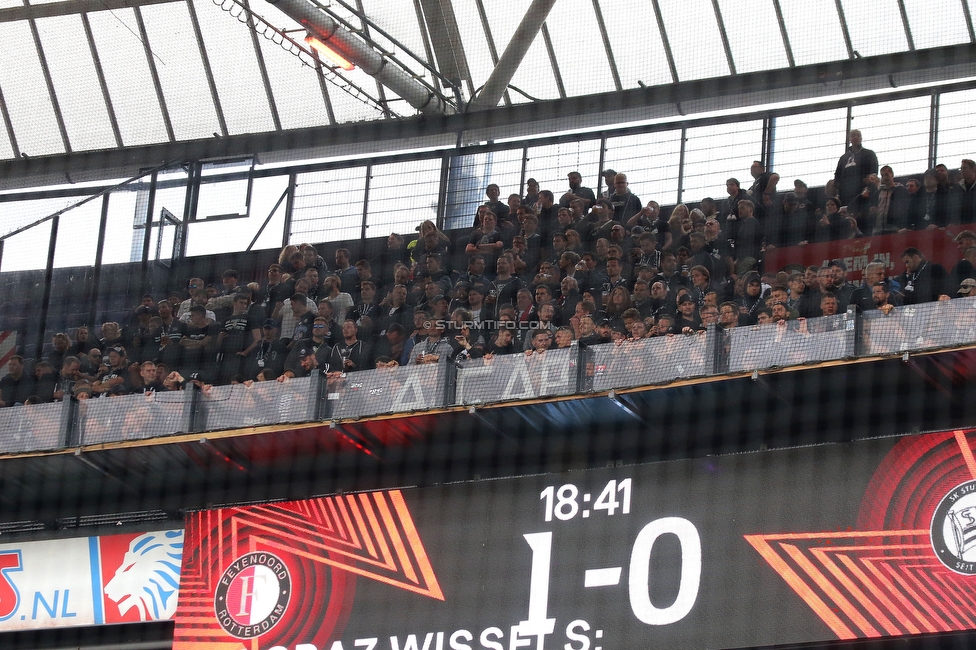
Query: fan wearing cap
x=117, y=372
x=967, y=289
x=309, y=353
x=268, y=360
x=966, y=267
x=687, y=319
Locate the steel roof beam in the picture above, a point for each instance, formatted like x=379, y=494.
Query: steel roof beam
x=360, y=53
x=71, y=7
x=510, y=60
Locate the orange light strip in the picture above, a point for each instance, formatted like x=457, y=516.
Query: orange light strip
x=954, y=623
x=966, y=450
x=905, y=602
x=385, y=554
x=326, y=51
x=418, y=548
x=821, y=581
x=879, y=594
x=934, y=616
x=760, y=543
x=391, y=529
x=361, y=525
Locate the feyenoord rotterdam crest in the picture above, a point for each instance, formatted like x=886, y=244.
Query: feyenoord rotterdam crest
x=252, y=594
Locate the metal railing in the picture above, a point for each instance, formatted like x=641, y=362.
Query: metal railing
x=576, y=370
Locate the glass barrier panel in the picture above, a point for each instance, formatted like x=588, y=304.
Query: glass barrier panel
x=517, y=376
x=263, y=402
x=920, y=327
x=648, y=361
x=31, y=428
x=790, y=343
x=133, y=417
x=387, y=390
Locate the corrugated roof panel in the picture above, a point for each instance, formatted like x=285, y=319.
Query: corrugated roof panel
x=181, y=71
x=936, y=24
x=76, y=83
x=875, y=27
x=814, y=30
x=235, y=69
x=695, y=39
x=580, y=53
x=25, y=92
x=636, y=43
x=127, y=75
x=754, y=35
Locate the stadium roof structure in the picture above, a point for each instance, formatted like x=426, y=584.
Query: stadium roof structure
x=89, y=86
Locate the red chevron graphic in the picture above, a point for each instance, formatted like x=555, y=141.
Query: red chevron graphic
x=872, y=583
x=325, y=542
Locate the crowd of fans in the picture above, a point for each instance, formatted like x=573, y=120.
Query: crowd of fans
x=540, y=272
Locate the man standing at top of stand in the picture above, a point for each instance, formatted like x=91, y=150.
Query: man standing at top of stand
x=853, y=168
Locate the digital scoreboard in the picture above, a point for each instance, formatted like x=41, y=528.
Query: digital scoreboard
x=867, y=539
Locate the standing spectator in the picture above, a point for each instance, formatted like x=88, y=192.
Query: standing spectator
x=576, y=189
x=15, y=386
x=349, y=354
x=891, y=213
x=303, y=318
x=61, y=344
x=624, y=202
x=764, y=184
x=198, y=343
x=236, y=339
x=341, y=301
x=853, y=168
x=748, y=239
x=929, y=207
x=962, y=196
x=922, y=280
x=346, y=273
x=81, y=346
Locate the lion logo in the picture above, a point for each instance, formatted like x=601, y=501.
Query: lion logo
x=149, y=577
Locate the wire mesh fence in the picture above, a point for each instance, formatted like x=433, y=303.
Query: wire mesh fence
x=133, y=417
x=520, y=376
x=790, y=343
x=920, y=327
x=517, y=376
x=649, y=361
x=31, y=428
x=387, y=390
x=261, y=403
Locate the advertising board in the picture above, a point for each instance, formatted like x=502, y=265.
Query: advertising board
x=90, y=580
